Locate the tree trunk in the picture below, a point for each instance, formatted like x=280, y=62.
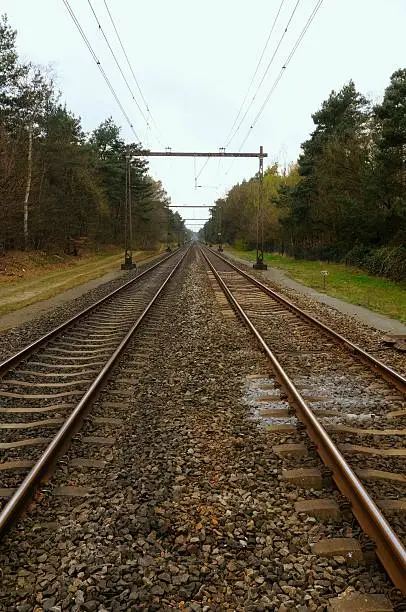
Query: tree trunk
x=28, y=186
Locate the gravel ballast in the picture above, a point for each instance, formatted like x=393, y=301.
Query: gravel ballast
x=190, y=511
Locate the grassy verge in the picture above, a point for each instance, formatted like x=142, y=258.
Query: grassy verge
x=36, y=277
x=349, y=284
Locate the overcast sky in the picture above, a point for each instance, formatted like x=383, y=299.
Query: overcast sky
x=194, y=61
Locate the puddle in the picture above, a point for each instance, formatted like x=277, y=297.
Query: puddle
x=341, y=401
x=256, y=393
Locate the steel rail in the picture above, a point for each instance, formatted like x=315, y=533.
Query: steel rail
x=7, y=364
x=14, y=507
x=389, y=549
x=385, y=371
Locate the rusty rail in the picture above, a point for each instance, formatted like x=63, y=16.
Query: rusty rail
x=390, y=550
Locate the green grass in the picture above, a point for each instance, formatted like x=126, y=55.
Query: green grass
x=349, y=284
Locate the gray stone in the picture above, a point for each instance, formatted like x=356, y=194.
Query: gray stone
x=48, y=603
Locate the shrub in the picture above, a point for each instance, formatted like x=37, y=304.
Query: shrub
x=388, y=261
x=357, y=256
x=241, y=244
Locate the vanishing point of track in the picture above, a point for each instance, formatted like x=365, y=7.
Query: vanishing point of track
x=307, y=354
x=48, y=376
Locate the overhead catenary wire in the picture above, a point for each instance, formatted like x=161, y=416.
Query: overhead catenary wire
x=237, y=129
x=230, y=139
x=98, y=63
x=117, y=63
x=255, y=72
x=201, y=170
x=194, y=166
x=281, y=72
x=131, y=68
x=283, y=69
x=218, y=172
x=203, y=167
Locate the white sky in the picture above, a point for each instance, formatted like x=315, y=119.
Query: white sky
x=194, y=61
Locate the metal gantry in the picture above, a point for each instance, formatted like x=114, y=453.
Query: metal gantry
x=259, y=265
x=221, y=153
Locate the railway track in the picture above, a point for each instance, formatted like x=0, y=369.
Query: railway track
x=337, y=391
x=170, y=495
x=46, y=388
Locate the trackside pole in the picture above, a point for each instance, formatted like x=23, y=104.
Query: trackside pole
x=128, y=226
x=260, y=265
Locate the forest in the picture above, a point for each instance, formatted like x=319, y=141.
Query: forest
x=344, y=199
x=60, y=185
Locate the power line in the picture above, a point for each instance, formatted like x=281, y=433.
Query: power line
x=284, y=66
x=131, y=68
x=98, y=63
x=256, y=71
x=201, y=169
x=117, y=63
x=263, y=76
x=283, y=69
x=252, y=80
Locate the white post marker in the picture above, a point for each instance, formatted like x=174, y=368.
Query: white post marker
x=324, y=273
